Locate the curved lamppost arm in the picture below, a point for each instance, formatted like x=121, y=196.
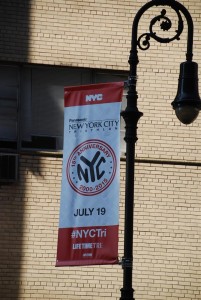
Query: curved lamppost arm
x=165, y=26
x=187, y=99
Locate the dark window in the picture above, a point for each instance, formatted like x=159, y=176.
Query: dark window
x=9, y=107
x=36, y=120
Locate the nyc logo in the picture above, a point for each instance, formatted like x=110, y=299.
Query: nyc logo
x=91, y=167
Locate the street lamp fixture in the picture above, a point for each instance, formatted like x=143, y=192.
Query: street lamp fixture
x=187, y=105
x=187, y=101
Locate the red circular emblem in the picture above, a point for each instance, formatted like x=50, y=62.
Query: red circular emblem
x=91, y=167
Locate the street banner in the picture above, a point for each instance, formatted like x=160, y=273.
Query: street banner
x=89, y=208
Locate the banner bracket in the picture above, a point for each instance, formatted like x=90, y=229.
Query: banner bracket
x=126, y=262
x=126, y=83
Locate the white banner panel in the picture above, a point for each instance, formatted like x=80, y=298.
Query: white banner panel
x=88, y=228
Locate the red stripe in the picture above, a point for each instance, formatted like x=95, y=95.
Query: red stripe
x=93, y=94
x=87, y=246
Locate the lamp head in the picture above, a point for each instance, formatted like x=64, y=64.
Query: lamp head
x=187, y=103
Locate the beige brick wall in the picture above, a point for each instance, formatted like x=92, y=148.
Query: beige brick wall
x=80, y=33
x=167, y=256
x=97, y=34
x=73, y=33
x=167, y=237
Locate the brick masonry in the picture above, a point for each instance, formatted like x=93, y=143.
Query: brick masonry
x=166, y=241
x=167, y=256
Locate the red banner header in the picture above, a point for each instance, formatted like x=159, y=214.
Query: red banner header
x=93, y=94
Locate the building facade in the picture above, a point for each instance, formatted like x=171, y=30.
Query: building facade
x=44, y=46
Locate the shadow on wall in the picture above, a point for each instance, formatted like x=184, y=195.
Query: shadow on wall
x=11, y=236
x=14, y=30
x=14, y=45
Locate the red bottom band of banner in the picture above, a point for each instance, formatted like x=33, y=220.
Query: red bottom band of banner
x=83, y=246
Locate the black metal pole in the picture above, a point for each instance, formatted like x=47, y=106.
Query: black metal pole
x=132, y=115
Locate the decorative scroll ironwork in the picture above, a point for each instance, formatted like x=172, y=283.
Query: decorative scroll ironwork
x=165, y=25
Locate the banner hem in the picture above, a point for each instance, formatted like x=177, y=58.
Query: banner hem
x=85, y=263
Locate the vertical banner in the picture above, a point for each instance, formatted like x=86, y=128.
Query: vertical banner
x=89, y=209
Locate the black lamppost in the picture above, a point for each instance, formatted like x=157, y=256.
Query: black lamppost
x=186, y=105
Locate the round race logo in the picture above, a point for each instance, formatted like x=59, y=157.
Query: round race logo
x=91, y=167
